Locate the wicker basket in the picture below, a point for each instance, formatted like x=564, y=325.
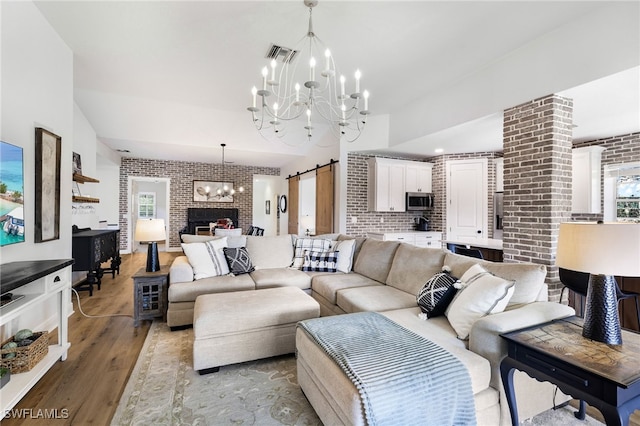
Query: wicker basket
x=26, y=356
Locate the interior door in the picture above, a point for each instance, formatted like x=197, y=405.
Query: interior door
x=294, y=184
x=324, y=200
x=467, y=196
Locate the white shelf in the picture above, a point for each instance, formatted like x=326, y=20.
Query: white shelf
x=21, y=383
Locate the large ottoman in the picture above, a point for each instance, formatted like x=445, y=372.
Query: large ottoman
x=246, y=325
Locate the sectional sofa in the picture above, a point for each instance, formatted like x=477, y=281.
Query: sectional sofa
x=385, y=277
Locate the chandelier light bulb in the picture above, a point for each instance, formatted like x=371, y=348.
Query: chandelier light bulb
x=241, y=189
x=312, y=67
x=297, y=87
x=273, y=69
x=265, y=73
x=308, y=117
x=275, y=110
x=365, y=95
x=219, y=191
x=327, y=55
x=342, y=81
x=254, y=92
x=358, y=75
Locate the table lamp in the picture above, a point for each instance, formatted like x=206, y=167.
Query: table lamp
x=151, y=231
x=603, y=250
x=308, y=222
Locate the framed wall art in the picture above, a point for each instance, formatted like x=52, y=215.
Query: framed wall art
x=11, y=194
x=48, y=154
x=214, y=192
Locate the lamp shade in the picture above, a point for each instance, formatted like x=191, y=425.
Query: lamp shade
x=600, y=248
x=150, y=230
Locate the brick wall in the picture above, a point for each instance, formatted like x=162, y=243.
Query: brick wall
x=618, y=150
x=537, y=177
x=182, y=175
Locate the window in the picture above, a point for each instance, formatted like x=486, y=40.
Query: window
x=628, y=198
x=146, y=205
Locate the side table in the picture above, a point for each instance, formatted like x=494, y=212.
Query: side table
x=605, y=376
x=150, y=294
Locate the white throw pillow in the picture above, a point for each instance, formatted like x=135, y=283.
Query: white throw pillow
x=207, y=259
x=345, y=249
x=481, y=293
x=310, y=244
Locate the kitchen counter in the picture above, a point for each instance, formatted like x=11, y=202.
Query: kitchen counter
x=488, y=243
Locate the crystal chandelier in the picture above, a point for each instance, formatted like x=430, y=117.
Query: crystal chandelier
x=322, y=95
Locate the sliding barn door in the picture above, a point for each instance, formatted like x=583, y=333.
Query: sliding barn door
x=324, y=200
x=294, y=185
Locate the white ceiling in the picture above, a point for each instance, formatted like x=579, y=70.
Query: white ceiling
x=171, y=80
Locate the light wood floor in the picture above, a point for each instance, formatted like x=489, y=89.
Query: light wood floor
x=102, y=355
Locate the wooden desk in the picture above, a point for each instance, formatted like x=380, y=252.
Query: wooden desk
x=605, y=376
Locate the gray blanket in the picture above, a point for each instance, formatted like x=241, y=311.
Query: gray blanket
x=403, y=378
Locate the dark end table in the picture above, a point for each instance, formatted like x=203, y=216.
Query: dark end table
x=605, y=376
x=150, y=291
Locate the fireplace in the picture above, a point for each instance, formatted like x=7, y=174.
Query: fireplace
x=203, y=216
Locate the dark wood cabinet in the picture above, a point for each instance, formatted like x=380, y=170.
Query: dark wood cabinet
x=91, y=248
x=150, y=294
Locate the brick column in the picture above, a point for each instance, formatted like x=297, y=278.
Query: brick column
x=537, y=141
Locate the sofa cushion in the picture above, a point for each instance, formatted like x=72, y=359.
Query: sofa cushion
x=320, y=261
x=481, y=293
x=232, y=240
x=437, y=294
x=281, y=277
x=357, y=248
x=270, y=252
x=308, y=244
x=239, y=260
x=207, y=259
x=413, y=266
x=188, y=291
x=529, y=277
x=346, y=250
x=328, y=285
x=439, y=331
x=374, y=298
x=375, y=258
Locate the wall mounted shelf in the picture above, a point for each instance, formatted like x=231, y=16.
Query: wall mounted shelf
x=78, y=178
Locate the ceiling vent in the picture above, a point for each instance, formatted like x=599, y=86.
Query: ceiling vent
x=281, y=54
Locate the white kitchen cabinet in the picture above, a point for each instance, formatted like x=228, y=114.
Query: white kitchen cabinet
x=499, y=174
x=418, y=176
x=389, y=180
x=386, y=185
x=586, y=180
x=430, y=239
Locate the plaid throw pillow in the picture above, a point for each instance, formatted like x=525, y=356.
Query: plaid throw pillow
x=308, y=244
x=320, y=261
x=437, y=294
x=238, y=260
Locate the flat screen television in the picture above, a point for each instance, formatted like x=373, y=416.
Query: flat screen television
x=11, y=194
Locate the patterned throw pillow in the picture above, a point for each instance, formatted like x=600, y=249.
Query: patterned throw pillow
x=320, y=261
x=437, y=294
x=311, y=244
x=238, y=260
x=207, y=259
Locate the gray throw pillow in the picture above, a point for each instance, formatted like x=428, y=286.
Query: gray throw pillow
x=238, y=260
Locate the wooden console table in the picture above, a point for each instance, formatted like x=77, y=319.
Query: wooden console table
x=36, y=282
x=605, y=376
x=91, y=248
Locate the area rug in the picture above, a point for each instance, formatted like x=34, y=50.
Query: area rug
x=164, y=390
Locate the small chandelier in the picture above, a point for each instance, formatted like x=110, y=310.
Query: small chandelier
x=283, y=98
x=225, y=188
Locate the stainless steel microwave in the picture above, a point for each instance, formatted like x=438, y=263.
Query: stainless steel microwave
x=419, y=201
